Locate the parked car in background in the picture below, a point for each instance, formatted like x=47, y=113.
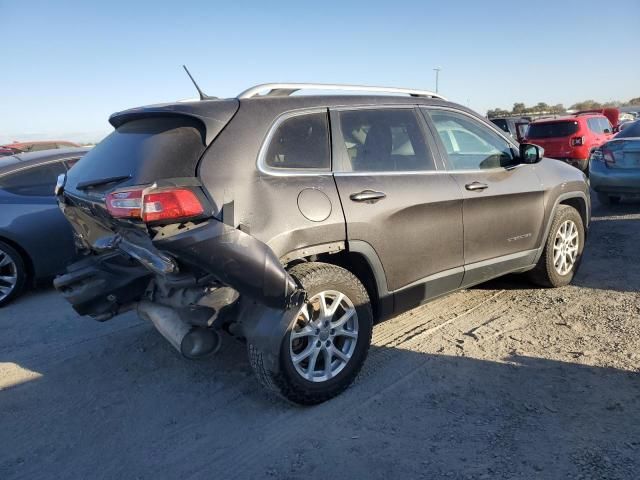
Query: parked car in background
x=612, y=114
x=615, y=166
x=571, y=138
x=24, y=147
x=4, y=151
x=515, y=126
x=623, y=125
x=36, y=240
x=297, y=233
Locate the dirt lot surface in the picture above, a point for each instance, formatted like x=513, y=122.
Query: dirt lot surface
x=500, y=381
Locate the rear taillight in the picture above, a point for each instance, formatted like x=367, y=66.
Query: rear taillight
x=608, y=156
x=577, y=141
x=126, y=203
x=152, y=204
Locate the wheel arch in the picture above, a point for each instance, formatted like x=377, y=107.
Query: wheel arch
x=577, y=200
x=580, y=204
x=359, y=258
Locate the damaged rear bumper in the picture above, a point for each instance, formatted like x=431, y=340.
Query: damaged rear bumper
x=104, y=284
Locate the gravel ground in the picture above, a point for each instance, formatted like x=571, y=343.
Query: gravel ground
x=500, y=381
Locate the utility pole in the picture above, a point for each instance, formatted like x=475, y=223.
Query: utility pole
x=437, y=70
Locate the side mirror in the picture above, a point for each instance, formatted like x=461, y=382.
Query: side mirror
x=530, y=153
x=606, y=130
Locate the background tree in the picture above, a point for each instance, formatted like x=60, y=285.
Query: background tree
x=586, y=105
x=634, y=101
x=519, y=108
x=558, y=108
x=497, y=112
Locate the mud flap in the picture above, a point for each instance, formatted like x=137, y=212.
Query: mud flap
x=264, y=328
x=235, y=259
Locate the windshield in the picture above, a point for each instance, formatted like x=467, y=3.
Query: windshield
x=552, y=129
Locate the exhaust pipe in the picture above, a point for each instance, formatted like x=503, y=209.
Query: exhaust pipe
x=192, y=342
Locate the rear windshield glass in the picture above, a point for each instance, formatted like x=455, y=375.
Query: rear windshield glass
x=146, y=150
x=552, y=129
x=502, y=124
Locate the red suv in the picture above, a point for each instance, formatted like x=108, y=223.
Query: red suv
x=571, y=139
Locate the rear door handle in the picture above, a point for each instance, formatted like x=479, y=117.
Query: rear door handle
x=369, y=196
x=476, y=186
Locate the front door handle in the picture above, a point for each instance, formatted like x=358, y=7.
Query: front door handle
x=369, y=196
x=476, y=186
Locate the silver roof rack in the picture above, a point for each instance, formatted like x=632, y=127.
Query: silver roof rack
x=286, y=89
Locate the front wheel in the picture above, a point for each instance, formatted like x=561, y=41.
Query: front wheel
x=327, y=343
x=563, y=249
x=12, y=273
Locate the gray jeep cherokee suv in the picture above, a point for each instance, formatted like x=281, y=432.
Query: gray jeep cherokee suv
x=297, y=222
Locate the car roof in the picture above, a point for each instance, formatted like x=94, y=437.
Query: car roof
x=38, y=142
x=569, y=118
x=207, y=110
x=21, y=160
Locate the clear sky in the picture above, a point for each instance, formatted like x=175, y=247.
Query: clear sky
x=67, y=65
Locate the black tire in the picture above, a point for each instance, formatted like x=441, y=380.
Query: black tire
x=315, y=278
x=16, y=268
x=545, y=273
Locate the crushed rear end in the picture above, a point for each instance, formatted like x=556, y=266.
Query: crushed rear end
x=152, y=239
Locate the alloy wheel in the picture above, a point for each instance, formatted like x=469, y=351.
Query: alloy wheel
x=8, y=275
x=324, y=336
x=565, y=247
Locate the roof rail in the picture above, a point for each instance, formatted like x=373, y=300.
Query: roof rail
x=286, y=89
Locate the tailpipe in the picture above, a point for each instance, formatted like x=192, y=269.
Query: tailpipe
x=192, y=342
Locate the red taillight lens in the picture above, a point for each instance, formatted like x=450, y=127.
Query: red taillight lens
x=125, y=203
x=154, y=204
x=608, y=156
x=170, y=204
x=577, y=141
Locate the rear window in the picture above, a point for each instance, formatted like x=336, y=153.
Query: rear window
x=146, y=150
x=299, y=142
x=552, y=129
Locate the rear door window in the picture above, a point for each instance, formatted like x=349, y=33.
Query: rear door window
x=300, y=142
x=38, y=181
x=594, y=125
x=552, y=129
x=382, y=140
x=605, y=125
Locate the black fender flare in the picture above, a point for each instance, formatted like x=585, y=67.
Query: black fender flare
x=558, y=201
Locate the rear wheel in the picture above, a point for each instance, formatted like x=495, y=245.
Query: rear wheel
x=563, y=249
x=325, y=347
x=12, y=273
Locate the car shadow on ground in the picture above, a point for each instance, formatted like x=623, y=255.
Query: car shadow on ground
x=127, y=406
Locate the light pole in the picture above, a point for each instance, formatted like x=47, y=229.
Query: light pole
x=437, y=70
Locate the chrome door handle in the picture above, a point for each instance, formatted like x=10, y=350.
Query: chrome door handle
x=476, y=186
x=369, y=196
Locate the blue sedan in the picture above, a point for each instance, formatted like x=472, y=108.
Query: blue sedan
x=614, y=168
x=36, y=240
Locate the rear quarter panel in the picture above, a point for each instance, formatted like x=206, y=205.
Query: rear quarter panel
x=265, y=205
